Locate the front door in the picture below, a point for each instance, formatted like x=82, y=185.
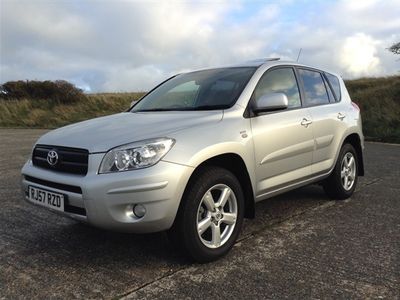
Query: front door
x=283, y=140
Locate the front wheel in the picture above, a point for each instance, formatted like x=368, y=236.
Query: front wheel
x=211, y=214
x=342, y=182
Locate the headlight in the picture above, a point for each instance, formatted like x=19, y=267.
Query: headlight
x=135, y=155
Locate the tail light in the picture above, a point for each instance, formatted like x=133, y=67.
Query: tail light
x=355, y=106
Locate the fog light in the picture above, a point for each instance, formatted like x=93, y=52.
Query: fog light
x=139, y=210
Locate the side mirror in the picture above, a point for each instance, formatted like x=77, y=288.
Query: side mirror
x=271, y=102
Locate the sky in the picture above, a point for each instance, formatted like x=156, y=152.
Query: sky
x=128, y=45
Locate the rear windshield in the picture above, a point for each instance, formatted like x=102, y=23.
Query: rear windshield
x=201, y=90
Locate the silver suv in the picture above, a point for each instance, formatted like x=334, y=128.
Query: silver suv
x=196, y=153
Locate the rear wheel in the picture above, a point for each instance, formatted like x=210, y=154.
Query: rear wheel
x=343, y=179
x=210, y=216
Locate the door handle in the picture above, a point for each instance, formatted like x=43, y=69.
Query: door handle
x=341, y=116
x=305, y=122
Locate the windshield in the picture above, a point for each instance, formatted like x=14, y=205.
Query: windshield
x=201, y=90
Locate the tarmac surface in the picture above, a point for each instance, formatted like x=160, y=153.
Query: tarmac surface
x=300, y=245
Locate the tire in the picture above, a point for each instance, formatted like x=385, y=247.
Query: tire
x=195, y=230
x=336, y=186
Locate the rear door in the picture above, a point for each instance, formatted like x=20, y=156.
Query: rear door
x=327, y=115
x=283, y=140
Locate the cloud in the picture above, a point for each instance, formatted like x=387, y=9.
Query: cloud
x=359, y=55
x=360, y=4
x=128, y=45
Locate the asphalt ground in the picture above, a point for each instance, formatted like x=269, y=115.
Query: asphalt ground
x=300, y=245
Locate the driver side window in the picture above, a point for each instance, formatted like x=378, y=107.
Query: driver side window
x=280, y=80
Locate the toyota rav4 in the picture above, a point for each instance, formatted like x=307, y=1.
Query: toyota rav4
x=194, y=155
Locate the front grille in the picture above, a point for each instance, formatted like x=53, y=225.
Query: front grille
x=56, y=185
x=75, y=210
x=70, y=160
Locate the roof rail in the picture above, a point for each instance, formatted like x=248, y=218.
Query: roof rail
x=262, y=60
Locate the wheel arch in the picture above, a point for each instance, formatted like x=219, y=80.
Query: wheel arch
x=235, y=164
x=355, y=140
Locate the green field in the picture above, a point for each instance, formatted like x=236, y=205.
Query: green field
x=379, y=99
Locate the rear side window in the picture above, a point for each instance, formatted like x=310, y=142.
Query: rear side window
x=330, y=94
x=279, y=81
x=335, y=84
x=314, y=88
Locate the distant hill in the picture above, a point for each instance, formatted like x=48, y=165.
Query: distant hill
x=378, y=98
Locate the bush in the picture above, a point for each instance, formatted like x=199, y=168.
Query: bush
x=59, y=91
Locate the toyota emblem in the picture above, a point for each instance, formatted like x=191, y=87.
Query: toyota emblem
x=52, y=157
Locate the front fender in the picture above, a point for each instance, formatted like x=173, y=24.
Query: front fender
x=201, y=143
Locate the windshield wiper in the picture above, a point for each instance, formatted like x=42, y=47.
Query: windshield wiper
x=158, y=109
x=210, y=107
x=202, y=107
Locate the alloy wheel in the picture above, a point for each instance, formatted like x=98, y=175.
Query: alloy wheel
x=348, y=171
x=216, y=216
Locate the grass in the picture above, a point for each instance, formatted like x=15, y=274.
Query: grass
x=46, y=114
x=378, y=98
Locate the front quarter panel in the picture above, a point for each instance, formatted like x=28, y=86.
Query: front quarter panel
x=198, y=144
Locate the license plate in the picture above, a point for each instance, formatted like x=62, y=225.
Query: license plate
x=46, y=198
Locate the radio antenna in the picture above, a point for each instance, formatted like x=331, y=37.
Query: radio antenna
x=298, y=56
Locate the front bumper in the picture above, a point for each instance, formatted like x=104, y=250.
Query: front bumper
x=106, y=200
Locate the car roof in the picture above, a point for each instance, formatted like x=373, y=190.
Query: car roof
x=269, y=62
x=264, y=63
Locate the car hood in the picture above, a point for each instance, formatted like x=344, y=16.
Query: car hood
x=104, y=133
